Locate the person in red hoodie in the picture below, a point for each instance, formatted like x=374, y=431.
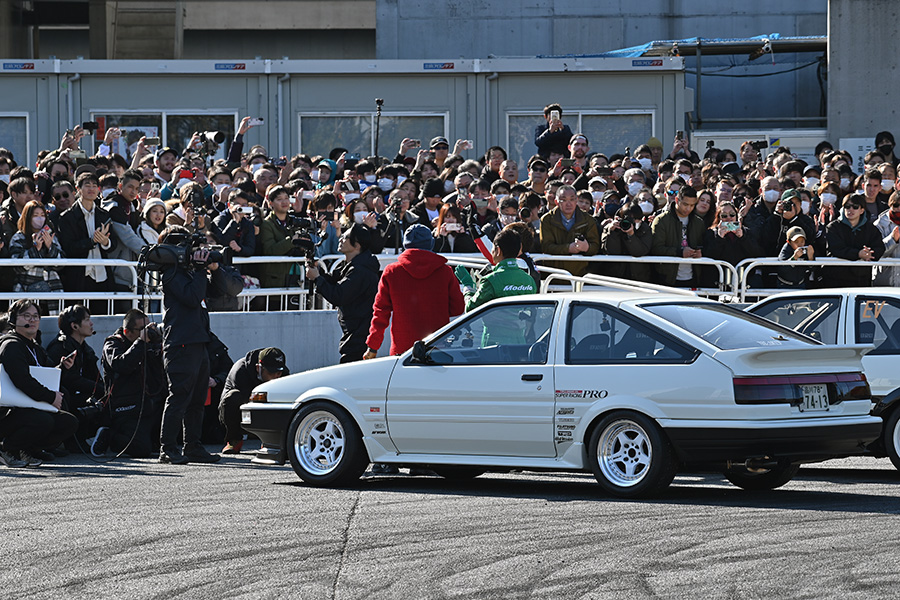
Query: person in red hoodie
x=421, y=292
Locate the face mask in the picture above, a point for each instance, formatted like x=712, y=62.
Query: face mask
x=4, y=178
x=501, y=197
x=400, y=180
x=350, y=197
x=845, y=183
x=37, y=222
x=829, y=199
x=637, y=225
x=804, y=206
x=386, y=184
x=647, y=207
x=220, y=187
x=360, y=216
x=729, y=162
x=684, y=176
x=314, y=175
x=448, y=186
x=772, y=196
x=181, y=182
x=887, y=184
x=596, y=196
x=885, y=149
x=634, y=188
x=611, y=209
x=811, y=183
x=645, y=163
x=370, y=177
x=255, y=167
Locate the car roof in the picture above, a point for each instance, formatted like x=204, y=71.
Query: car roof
x=865, y=291
x=612, y=296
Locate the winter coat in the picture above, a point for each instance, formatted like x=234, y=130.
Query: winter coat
x=845, y=241
x=83, y=379
x=418, y=294
x=352, y=290
x=667, y=241
x=555, y=239
x=889, y=276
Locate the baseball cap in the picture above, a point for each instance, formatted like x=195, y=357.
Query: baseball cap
x=271, y=359
x=162, y=151
x=438, y=140
x=794, y=232
x=790, y=194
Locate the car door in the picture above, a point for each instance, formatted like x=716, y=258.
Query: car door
x=876, y=321
x=477, y=397
x=609, y=354
x=816, y=316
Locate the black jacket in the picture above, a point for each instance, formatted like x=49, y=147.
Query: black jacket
x=223, y=295
x=17, y=354
x=83, y=378
x=846, y=242
x=131, y=367
x=774, y=234
x=185, y=316
x=219, y=361
x=244, y=376
x=352, y=290
x=462, y=243
x=226, y=230
x=77, y=242
x=552, y=141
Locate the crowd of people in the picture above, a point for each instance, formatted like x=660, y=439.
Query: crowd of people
x=728, y=205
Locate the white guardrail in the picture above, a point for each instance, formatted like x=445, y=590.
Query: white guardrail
x=733, y=286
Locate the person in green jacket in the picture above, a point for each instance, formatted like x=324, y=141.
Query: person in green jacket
x=507, y=278
x=275, y=238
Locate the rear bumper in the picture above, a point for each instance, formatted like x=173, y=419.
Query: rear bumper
x=808, y=441
x=268, y=422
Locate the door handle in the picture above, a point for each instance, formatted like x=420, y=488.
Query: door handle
x=529, y=377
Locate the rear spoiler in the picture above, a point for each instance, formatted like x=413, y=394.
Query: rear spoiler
x=828, y=358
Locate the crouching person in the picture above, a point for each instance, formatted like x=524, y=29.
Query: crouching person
x=259, y=366
x=133, y=371
x=27, y=433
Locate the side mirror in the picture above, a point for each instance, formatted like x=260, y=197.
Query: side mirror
x=420, y=353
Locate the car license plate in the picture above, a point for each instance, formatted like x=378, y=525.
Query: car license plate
x=815, y=398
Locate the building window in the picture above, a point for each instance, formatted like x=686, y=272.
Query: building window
x=320, y=132
x=173, y=128
x=14, y=136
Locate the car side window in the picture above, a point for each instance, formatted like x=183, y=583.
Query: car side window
x=601, y=335
x=506, y=334
x=878, y=323
x=819, y=318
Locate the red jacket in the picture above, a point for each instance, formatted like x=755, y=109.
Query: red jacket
x=421, y=292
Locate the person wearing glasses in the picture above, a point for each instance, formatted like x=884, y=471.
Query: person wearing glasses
x=28, y=433
x=853, y=236
x=62, y=196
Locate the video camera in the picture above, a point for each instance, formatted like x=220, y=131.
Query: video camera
x=178, y=251
x=302, y=230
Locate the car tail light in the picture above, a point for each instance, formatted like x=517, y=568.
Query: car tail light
x=262, y=397
x=786, y=389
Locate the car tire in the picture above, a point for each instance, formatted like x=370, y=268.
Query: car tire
x=457, y=472
x=756, y=480
x=630, y=456
x=891, y=437
x=325, y=446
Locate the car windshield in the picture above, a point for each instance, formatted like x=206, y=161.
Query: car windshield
x=727, y=328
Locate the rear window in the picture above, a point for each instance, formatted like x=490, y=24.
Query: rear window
x=727, y=328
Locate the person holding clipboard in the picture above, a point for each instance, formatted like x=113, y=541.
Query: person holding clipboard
x=30, y=417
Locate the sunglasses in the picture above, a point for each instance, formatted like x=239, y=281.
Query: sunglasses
x=61, y=196
x=441, y=147
x=895, y=206
x=538, y=170
x=853, y=207
x=672, y=192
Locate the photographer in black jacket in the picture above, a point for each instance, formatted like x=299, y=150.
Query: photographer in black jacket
x=132, y=365
x=351, y=289
x=185, y=337
x=27, y=433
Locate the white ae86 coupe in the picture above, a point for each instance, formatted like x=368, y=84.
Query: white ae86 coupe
x=633, y=387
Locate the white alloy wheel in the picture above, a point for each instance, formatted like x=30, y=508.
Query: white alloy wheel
x=319, y=443
x=624, y=453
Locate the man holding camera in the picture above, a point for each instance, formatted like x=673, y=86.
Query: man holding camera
x=257, y=367
x=132, y=365
x=185, y=336
x=233, y=228
x=352, y=289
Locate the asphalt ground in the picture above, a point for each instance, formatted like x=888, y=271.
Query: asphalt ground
x=139, y=529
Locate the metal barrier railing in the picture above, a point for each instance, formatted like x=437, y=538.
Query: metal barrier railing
x=748, y=265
